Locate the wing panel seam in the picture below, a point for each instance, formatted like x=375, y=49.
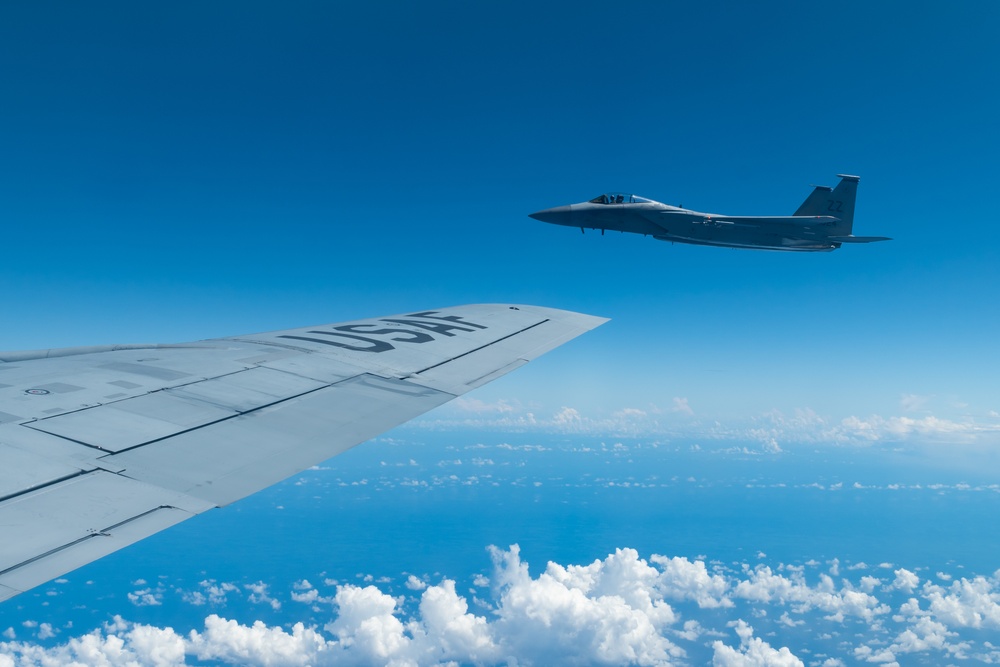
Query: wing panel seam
x=176, y=433
x=482, y=347
x=103, y=532
x=44, y=485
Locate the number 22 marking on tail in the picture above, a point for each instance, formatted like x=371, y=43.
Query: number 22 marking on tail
x=835, y=206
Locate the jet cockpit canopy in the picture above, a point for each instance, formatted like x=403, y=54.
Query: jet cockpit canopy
x=619, y=198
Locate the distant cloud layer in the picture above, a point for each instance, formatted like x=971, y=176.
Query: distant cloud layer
x=680, y=420
x=622, y=609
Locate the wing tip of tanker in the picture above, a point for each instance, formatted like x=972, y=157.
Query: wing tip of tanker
x=584, y=321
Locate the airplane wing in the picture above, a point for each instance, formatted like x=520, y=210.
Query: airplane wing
x=794, y=220
x=101, y=447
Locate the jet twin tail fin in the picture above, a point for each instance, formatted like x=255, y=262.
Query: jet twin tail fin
x=837, y=202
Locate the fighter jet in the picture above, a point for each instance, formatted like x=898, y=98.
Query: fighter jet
x=822, y=223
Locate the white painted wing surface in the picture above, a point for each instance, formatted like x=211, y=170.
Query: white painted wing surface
x=103, y=446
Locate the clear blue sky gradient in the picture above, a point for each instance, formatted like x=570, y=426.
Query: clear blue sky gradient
x=185, y=170
x=181, y=171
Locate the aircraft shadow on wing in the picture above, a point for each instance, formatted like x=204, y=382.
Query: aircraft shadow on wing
x=823, y=222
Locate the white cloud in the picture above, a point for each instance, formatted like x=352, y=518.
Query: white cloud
x=415, y=584
x=973, y=603
x=605, y=612
x=473, y=405
x=764, y=586
x=159, y=647
x=228, y=641
x=787, y=620
x=308, y=597
x=449, y=632
x=770, y=429
x=868, y=583
x=681, y=405
x=878, y=655
x=621, y=609
x=628, y=421
x=146, y=597
x=259, y=594
x=568, y=417
x=119, y=644
x=217, y=593
x=930, y=428
x=682, y=579
x=925, y=634
x=752, y=652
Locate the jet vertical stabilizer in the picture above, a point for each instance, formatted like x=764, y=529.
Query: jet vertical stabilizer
x=838, y=202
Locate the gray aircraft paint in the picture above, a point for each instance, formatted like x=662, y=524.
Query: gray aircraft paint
x=823, y=222
x=104, y=446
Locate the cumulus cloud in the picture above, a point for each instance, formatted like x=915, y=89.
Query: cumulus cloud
x=905, y=580
x=752, y=652
x=971, y=603
x=923, y=635
x=259, y=594
x=611, y=611
x=117, y=644
x=620, y=609
x=765, y=586
x=882, y=656
x=605, y=612
x=682, y=579
x=146, y=597
x=228, y=641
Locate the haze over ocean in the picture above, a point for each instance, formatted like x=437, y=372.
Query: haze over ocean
x=763, y=459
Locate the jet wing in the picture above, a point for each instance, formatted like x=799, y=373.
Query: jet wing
x=796, y=220
x=101, y=447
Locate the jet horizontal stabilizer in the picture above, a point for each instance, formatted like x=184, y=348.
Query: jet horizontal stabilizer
x=858, y=239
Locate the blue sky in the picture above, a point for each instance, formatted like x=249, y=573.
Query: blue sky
x=177, y=171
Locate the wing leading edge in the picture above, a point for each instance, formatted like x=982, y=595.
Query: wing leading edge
x=102, y=447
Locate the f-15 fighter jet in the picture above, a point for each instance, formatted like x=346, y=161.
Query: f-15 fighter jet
x=823, y=222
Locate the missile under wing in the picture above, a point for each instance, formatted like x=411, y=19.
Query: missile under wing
x=823, y=222
x=103, y=446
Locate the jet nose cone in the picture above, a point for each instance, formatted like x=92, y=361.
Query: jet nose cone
x=560, y=215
